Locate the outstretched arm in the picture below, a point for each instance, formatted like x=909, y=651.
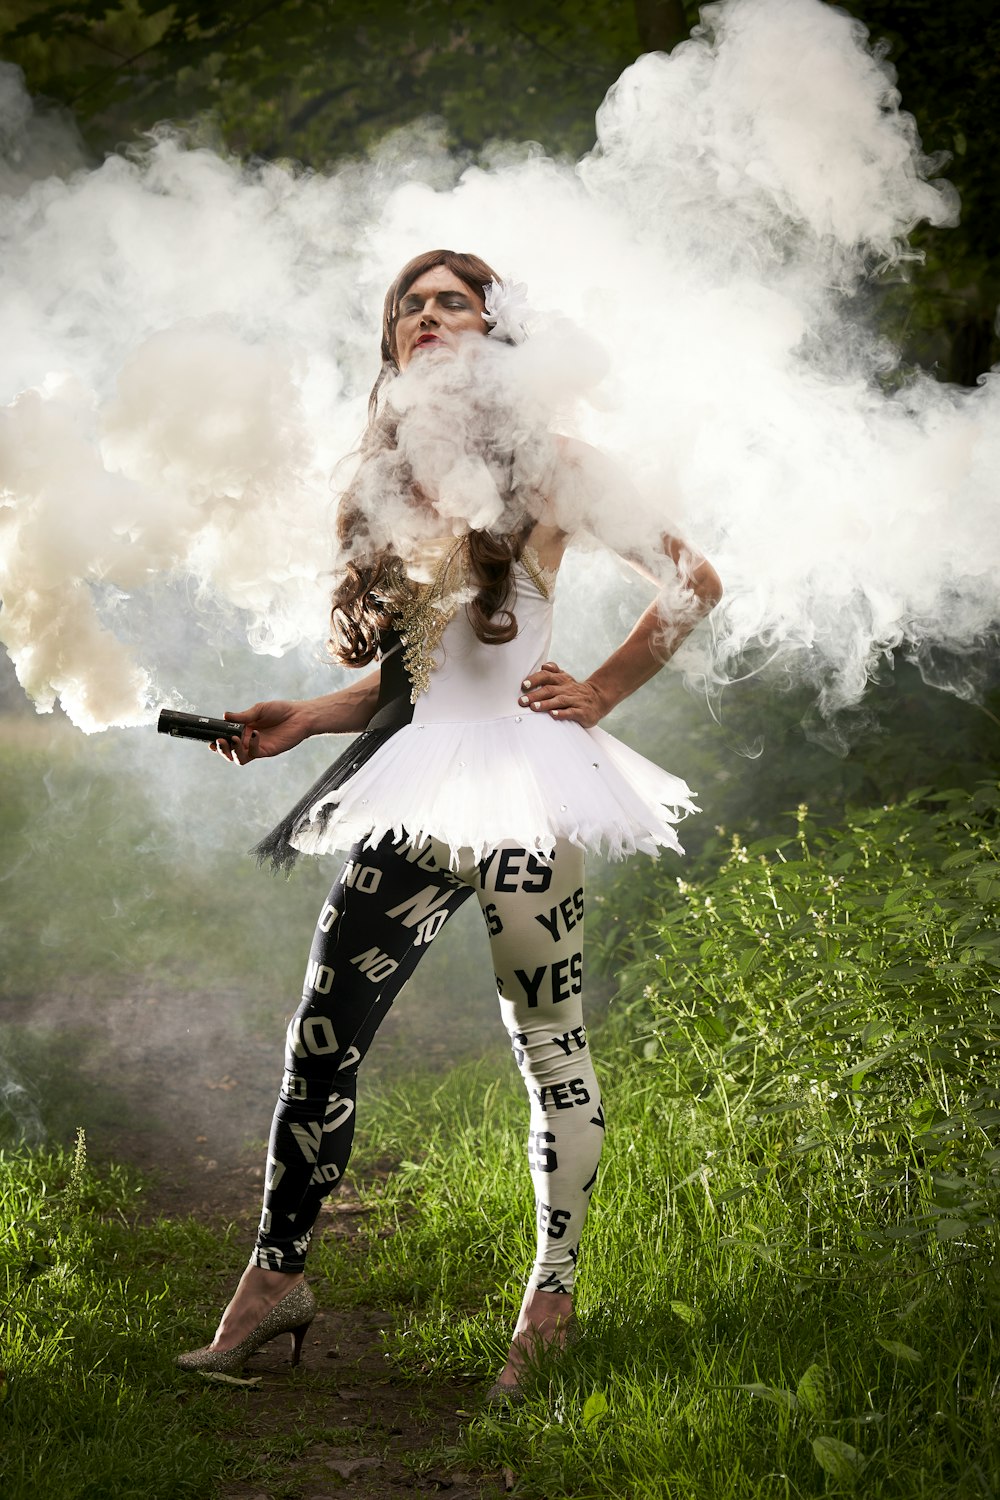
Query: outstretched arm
x=279, y=725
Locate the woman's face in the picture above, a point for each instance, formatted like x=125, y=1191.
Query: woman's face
x=434, y=313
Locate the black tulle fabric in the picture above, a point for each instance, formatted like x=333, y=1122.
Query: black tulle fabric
x=392, y=711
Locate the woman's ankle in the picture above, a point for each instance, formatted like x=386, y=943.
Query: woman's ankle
x=262, y=1277
x=544, y=1313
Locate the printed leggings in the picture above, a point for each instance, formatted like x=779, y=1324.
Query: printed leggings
x=386, y=907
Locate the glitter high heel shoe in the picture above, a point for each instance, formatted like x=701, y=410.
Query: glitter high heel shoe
x=292, y=1314
x=499, y=1396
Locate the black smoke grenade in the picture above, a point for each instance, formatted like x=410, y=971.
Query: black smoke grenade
x=196, y=726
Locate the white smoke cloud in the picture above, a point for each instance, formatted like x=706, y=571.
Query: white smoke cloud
x=189, y=343
x=471, y=429
x=34, y=142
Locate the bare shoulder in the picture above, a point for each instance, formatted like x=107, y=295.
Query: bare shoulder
x=548, y=542
x=552, y=531
x=587, y=488
x=574, y=452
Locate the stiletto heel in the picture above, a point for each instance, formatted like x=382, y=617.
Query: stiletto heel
x=298, y=1334
x=293, y=1314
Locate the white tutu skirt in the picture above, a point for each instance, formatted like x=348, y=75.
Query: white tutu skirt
x=528, y=780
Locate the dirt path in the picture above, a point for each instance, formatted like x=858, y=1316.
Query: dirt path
x=369, y=1425
x=344, y=1424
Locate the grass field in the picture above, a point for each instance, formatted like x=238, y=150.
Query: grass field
x=90, y=1401
x=790, y=1285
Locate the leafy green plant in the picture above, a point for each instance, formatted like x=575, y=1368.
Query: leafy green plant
x=851, y=978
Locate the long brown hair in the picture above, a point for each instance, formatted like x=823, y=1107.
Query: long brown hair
x=364, y=600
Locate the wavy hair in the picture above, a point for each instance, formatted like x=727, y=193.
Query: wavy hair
x=366, y=598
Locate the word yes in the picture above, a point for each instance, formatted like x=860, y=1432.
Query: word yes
x=571, y=911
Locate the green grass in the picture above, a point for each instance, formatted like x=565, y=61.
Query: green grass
x=94, y=1305
x=789, y=1285
x=725, y=1333
x=91, y=1406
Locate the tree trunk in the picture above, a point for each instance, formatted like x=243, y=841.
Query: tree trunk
x=661, y=24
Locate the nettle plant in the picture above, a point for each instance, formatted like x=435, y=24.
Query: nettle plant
x=849, y=979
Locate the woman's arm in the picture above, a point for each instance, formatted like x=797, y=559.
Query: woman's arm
x=590, y=492
x=690, y=589
x=279, y=725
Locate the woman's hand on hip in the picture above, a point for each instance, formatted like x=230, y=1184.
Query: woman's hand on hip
x=269, y=729
x=551, y=690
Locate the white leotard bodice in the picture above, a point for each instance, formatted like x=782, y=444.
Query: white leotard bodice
x=475, y=681
x=475, y=769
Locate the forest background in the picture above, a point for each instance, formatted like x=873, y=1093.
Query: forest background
x=801, y=1049
x=316, y=83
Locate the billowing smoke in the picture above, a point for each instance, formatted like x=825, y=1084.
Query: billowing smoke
x=189, y=341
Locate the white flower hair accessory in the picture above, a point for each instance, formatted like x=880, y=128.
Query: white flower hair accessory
x=507, y=310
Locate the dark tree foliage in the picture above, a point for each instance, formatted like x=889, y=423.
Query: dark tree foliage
x=322, y=79
x=947, y=58
x=318, y=80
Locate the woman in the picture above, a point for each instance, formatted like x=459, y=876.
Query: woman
x=478, y=771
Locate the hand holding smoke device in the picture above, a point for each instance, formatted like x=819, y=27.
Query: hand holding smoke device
x=196, y=726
